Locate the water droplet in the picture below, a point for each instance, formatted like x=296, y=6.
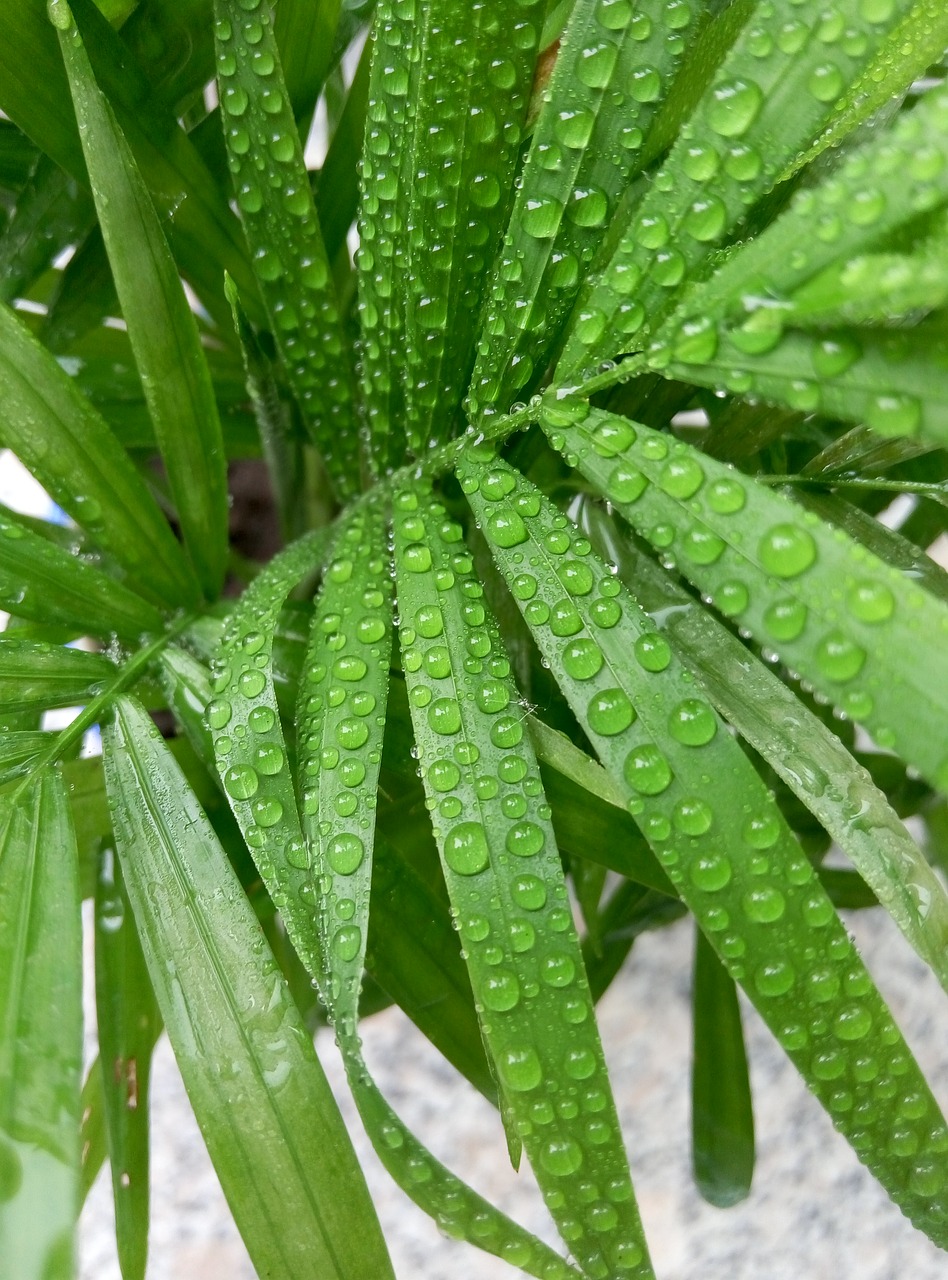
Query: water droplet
x=500, y=991
x=241, y=782
x=711, y=872
x=763, y=904
x=652, y=652
x=786, y=550
x=528, y=892
x=345, y=853
x=252, y=683
x=465, y=849
x=525, y=839
x=582, y=659
x=646, y=770
x=218, y=713
x=734, y=107
x=561, y=1157
x=610, y=712
x=692, y=722
x=444, y=716
x=520, y=1069
x=838, y=658
x=870, y=602
x=774, y=978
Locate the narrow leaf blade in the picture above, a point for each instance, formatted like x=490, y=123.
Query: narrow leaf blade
x=225, y=1004
x=40, y=1032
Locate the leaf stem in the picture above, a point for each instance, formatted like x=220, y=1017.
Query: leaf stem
x=938, y=490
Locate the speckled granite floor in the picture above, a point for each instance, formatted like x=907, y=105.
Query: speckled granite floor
x=814, y=1213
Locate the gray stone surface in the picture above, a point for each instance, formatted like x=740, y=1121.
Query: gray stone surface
x=814, y=1213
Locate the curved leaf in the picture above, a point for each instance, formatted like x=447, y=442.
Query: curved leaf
x=58, y=435
x=833, y=611
x=50, y=584
x=771, y=97
x=810, y=759
x=35, y=676
x=717, y=831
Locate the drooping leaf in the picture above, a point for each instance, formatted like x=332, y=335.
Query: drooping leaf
x=715, y=828
x=506, y=884
x=834, y=612
x=722, y=1119
x=57, y=434
x=240, y=1043
x=810, y=759
x=161, y=327
x=40, y=1032
x=128, y=1025
x=282, y=229
x=35, y=676
x=50, y=584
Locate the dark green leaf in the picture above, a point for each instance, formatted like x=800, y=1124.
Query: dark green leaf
x=722, y=1118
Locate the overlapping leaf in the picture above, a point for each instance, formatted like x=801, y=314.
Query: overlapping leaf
x=834, y=612
x=161, y=326
x=810, y=759
x=250, y=749
x=611, y=71
x=718, y=833
x=279, y=217
x=447, y=102
x=55, y=432
x=772, y=96
x=500, y=864
x=240, y=1042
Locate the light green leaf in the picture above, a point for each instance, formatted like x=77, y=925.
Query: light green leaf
x=719, y=834
x=506, y=884
x=722, y=1119
x=240, y=1043
x=251, y=751
x=340, y=753
x=57, y=434
x=128, y=1024
x=833, y=611
x=282, y=229
x=161, y=327
x=40, y=1033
